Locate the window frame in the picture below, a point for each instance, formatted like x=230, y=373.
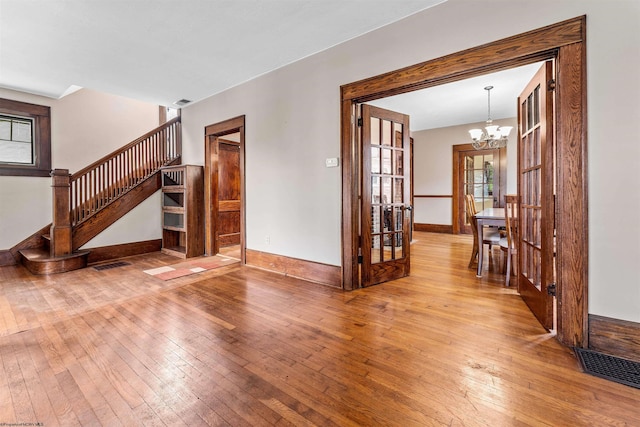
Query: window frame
x=41, y=116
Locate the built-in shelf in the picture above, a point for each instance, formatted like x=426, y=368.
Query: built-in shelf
x=182, y=210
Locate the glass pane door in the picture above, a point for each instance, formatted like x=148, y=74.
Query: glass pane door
x=386, y=194
x=387, y=190
x=536, y=266
x=479, y=177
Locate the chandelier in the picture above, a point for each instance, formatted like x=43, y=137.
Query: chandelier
x=492, y=136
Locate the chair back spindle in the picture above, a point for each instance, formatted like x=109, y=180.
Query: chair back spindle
x=511, y=222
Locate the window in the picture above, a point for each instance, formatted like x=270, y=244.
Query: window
x=16, y=140
x=25, y=139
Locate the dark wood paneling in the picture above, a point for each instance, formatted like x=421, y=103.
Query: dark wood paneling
x=350, y=158
x=226, y=127
x=39, y=262
x=105, y=253
x=213, y=134
x=433, y=228
x=615, y=337
x=228, y=222
x=35, y=241
x=61, y=242
x=6, y=258
x=229, y=205
x=226, y=240
x=114, y=211
x=228, y=171
x=572, y=222
x=194, y=211
x=301, y=269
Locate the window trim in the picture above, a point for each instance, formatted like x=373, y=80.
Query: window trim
x=41, y=116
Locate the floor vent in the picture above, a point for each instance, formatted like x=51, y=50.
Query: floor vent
x=111, y=265
x=612, y=368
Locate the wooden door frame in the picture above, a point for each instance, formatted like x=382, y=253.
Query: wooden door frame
x=457, y=170
x=564, y=42
x=218, y=130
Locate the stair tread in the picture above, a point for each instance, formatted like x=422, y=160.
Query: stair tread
x=42, y=255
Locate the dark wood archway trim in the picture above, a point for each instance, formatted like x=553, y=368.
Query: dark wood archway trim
x=211, y=132
x=566, y=43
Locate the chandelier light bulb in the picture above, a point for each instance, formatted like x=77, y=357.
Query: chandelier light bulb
x=476, y=134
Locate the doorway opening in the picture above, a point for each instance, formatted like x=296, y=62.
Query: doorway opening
x=225, y=189
x=481, y=173
x=564, y=43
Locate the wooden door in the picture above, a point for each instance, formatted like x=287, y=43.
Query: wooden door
x=229, y=198
x=385, y=214
x=229, y=190
x=536, y=192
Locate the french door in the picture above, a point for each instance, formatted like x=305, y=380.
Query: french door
x=536, y=190
x=385, y=212
x=481, y=173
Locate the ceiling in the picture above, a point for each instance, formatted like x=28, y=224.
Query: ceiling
x=464, y=101
x=162, y=51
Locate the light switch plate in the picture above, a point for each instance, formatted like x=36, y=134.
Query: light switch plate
x=331, y=162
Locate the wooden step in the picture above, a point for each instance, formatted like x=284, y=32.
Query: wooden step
x=46, y=238
x=39, y=261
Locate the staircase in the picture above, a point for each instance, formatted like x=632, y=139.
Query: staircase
x=90, y=200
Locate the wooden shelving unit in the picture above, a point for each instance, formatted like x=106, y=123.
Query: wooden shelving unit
x=182, y=210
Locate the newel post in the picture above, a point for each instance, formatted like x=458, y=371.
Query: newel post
x=61, y=242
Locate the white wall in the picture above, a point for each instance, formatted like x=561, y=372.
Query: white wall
x=293, y=125
x=433, y=168
x=85, y=126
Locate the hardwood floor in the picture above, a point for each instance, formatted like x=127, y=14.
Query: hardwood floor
x=231, y=251
x=244, y=347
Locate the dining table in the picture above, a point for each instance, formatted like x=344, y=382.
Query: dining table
x=490, y=217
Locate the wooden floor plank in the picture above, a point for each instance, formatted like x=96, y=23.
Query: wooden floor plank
x=243, y=347
x=60, y=405
x=138, y=354
x=7, y=366
x=174, y=357
x=82, y=408
x=38, y=396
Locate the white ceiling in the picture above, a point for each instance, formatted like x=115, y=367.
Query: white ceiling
x=162, y=51
x=464, y=101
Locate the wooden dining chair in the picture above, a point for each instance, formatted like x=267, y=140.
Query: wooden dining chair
x=509, y=244
x=490, y=235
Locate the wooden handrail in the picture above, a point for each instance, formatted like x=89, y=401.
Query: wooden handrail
x=126, y=147
x=105, y=180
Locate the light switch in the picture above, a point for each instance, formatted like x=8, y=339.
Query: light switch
x=332, y=162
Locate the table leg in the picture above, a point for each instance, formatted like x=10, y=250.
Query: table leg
x=480, y=246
